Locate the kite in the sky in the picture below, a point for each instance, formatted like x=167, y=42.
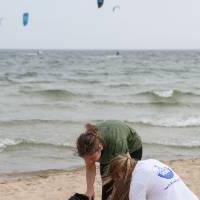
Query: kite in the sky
x=115, y=7
x=100, y=3
x=25, y=18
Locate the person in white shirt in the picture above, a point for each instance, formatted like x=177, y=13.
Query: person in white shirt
x=145, y=180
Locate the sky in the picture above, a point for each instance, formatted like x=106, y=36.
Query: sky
x=79, y=24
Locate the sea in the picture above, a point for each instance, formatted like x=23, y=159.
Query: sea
x=48, y=95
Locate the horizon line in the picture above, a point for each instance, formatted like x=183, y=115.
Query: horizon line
x=104, y=49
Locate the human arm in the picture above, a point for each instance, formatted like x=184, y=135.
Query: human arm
x=90, y=178
x=137, y=191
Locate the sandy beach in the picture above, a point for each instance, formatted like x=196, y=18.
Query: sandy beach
x=61, y=184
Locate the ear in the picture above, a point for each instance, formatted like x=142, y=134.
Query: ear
x=100, y=147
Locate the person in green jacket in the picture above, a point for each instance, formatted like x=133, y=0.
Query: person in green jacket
x=100, y=143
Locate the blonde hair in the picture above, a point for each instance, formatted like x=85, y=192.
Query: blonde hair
x=120, y=172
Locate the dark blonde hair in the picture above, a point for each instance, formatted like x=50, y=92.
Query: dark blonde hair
x=87, y=143
x=120, y=172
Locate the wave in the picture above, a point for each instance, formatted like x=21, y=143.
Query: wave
x=161, y=122
x=37, y=121
x=112, y=56
x=16, y=77
x=83, y=81
x=167, y=93
x=120, y=85
x=7, y=144
x=31, y=54
x=173, y=145
x=169, y=122
x=129, y=103
x=34, y=82
x=103, y=56
x=27, y=74
x=18, y=80
x=10, y=144
x=9, y=80
x=52, y=93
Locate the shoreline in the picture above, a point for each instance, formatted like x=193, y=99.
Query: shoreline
x=61, y=184
x=9, y=177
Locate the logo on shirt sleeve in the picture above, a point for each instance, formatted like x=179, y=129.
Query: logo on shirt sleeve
x=165, y=172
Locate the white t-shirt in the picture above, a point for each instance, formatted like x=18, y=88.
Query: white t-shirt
x=153, y=180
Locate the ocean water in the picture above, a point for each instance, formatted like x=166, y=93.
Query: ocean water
x=47, y=96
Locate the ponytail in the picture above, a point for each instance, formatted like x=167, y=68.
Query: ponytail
x=120, y=172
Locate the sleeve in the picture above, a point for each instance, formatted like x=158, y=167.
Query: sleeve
x=139, y=185
x=137, y=191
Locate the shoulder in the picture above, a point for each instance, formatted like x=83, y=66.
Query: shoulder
x=141, y=180
x=144, y=166
x=143, y=170
x=110, y=123
x=113, y=125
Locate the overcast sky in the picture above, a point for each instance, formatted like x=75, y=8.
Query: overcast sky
x=78, y=24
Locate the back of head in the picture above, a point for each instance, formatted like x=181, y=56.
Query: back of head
x=120, y=170
x=87, y=142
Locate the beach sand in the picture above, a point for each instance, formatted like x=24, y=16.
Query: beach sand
x=61, y=184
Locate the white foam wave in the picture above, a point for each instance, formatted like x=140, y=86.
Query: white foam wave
x=7, y=142
x=4, y=143
x=112, y=56
x=166, y=93
x=172, y=122
x=176, y=143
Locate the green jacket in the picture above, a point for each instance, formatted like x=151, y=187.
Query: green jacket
x=118, y=138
